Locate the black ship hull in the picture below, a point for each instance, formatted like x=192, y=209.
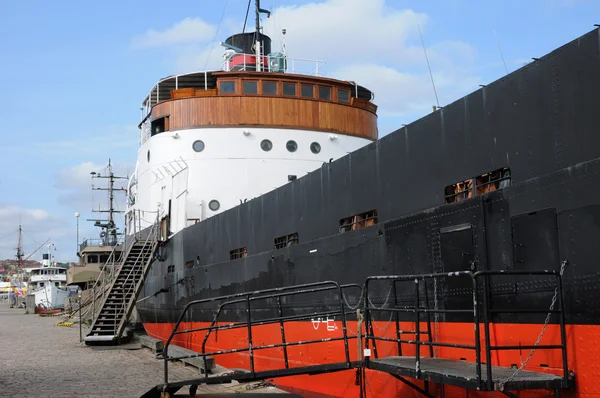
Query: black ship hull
x=392, y=208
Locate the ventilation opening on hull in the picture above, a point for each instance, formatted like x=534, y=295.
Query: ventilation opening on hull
x=238, y=253
x=358, y=221
x=487, y=182
x=287, y=240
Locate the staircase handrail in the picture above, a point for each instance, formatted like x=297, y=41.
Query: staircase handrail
x=102, y=277
x=151, y=239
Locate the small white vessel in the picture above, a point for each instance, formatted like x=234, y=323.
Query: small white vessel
x=49, y=285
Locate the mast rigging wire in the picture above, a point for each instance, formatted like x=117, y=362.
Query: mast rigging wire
x=429, y=67
x=9, y=234
x=216, y=33
x=500, y=49
x=246, y=19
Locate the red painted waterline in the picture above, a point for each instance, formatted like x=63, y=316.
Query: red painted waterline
x=583, y=342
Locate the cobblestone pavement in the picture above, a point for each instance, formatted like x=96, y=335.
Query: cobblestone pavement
x=40, y=359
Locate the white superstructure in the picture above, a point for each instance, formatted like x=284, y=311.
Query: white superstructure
x=231, y=167
x=212, y=140
x=48, y=284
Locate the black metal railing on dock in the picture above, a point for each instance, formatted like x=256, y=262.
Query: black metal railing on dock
x=331, y=306
x=462, y=297
x=479, y=311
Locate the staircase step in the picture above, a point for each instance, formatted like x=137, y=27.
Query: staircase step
x=110, y=321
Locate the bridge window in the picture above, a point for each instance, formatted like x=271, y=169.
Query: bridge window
x=289, y=89
x=92, y=259
x=250, y=87
x=325, y=93
x=487, y=182
x=308, y=91
x=227, y=87
x=159, y=126
x=343, y=95
x=286, y=240
x=358, y=221
x=238, y=253
x=270, y=88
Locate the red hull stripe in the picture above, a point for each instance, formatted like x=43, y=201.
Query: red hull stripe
x=583, y=343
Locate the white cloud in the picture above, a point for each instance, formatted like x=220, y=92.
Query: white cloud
x=340, y=31
x=77, y=185
x=96, y=142
x=186, y=31
x=369, y=42
x=38, y=225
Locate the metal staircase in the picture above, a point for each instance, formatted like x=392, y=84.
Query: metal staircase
x=110, y=323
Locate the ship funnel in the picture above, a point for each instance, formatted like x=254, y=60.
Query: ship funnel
x=247, y=42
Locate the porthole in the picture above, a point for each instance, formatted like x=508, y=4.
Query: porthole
x=315, y=147
x=198, y=146
x=148, y=156
x=214, y=205
x=291, y=146
x=266, y=145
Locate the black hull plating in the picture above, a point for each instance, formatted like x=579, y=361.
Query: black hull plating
x=540, y=121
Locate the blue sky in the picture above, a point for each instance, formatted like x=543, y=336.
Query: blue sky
x=73, y=75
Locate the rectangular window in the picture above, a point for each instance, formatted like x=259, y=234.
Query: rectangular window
x=250, y=88
x=157, y=126
x=289, y=89
x=343, y=95
x=238, y=253
x=286, y=240
x=325, y=93
x=170, y=269
x=487, y=182
x=269, y=88
x=308, y=91
x=492, y=181
x=358, y=221
x=227, y=87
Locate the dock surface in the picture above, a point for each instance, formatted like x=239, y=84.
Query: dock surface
x=41, y=359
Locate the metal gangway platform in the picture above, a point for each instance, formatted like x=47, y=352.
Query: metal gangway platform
x=411, y=300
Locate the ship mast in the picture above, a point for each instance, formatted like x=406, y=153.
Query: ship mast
x=109, y=236
x=257, y=34
x=19, y=258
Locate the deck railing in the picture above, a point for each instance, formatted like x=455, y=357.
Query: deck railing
x=479, y=311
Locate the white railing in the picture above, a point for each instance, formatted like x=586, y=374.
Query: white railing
x=279, y=63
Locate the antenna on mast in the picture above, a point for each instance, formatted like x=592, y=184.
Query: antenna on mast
x=109, y=236
x=429, y=67
x=500, y=49
x=283, y=46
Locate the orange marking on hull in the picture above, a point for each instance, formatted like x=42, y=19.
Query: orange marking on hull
x=582, y=349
